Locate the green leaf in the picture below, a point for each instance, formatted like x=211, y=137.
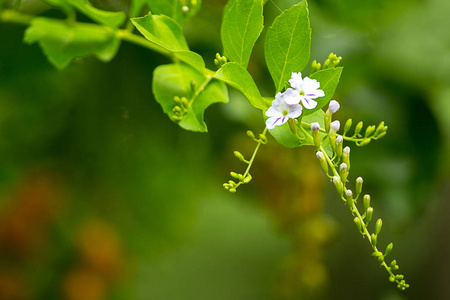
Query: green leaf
x=287, y=44
x=109, y=18
x=173, y=9
x=329, y=79
x=241, y=26
x=239, y=78
x=175, y=80
x=61, y=42
x=166, y=33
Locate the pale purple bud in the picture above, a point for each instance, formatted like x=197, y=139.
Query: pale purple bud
x=315, y=126
x=320, y=155
x=334, y=106
x=339, y=139
x=335, y=125
x=346, y=150
x=343, y=166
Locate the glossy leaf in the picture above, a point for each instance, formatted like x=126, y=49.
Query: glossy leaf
x=111, y=19
x=239, y=78
x=329, y=79
x=175, y=80
x=287, y=44
x=61, y=42
x=166, y=33
x=241, y=26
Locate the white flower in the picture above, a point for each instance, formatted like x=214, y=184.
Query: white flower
x=335, y=125
x=305, y=90
x=280, y=111
x=334, y=106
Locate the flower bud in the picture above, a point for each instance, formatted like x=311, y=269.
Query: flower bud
x=381, y=259
x=250, y=134
x=234, y=175
x=177, y=100
x=393, y=264
x=263, y=138
x=343, y=172
x=248, y=178
x=315, y=133
x=366, y=202
x=357, y=222
x=388, y=249
x=364, y=142
x=347, y=126
x=369, y=131
x=380, y=128
x=335, y=125
x=378, y=225
x=369, y=213
x=184, y=101
x=358, y=186
x=323, y=162
x=373, y=240
x=346, y=156
x=381, y=135
x=338, y=184
x=334, y=106
x=315, y=66
x=339, y=142
x=293, y=125
x=349, y=198
x=239, y=156
x=358, y=127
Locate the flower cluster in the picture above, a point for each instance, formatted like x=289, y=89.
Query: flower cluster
x=290, y=103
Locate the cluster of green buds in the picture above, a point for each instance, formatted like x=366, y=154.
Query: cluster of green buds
x=331, y=62
x=371, y=133
x=188, y=5
x=232, y=185
x=339, y=165
x=180, y=109
x=219, y=61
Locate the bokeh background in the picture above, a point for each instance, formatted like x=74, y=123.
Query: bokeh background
x=103, y=197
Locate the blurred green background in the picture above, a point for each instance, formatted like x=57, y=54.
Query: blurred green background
x=103, y=197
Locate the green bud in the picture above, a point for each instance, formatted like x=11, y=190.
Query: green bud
x=263, y=138
x=315, y=66
x=393, y=264
x=357, y=222
x=177, y=109
x=240, y=177
x=358, y=185
x=380, y=128
x=223, y=60
x=377, y=253
x=177, y=118
x=346, y=156
x=323, y=162
x=218, y=56
x=369, y=131
x=364, y=142
x=392, y=278
x=388, y=249
x=234, y=175
x=378, y=225
x=216, y=63
x=373, y=240
x=348, y=125
x=366, y=202
x=369, y=213
x=193, y=85
x=399, y=277
x=177, y=100
x=250, y=134
x=358, y=127
x=184, y=101
x=381, y=135
x=232, y=190
x=293, y=125
x=193, y=3
x=381, y=259
x=338, y=184
x=339, y=143
x=248, y=178
x=343, y=171
x=239, y=156
x=328, y=118
x=349, y=197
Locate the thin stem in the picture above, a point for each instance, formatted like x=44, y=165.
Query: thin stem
x=12, y=16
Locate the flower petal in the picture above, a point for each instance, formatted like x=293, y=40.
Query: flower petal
x=295, y=111
x=308, y=103
x=291, y=96
x=296, y=80
x=273, y=111
x=275, y=121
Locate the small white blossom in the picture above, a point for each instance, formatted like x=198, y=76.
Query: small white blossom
x=320, y=155
x=339, y=139
x=346, y=150
x=280, y=111
x=333, y=106
x=304, y=90
x=315, y=126
x=335, y=125
x=343, y=167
